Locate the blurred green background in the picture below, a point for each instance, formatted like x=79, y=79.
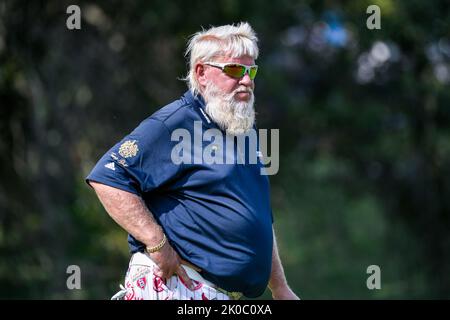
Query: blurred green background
x=363, y=115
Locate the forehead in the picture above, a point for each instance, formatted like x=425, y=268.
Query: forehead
x=247, y=60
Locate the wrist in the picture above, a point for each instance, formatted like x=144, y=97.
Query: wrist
x=158, y=246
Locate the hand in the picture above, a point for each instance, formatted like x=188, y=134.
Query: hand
x=169, y=263
x=284, y=293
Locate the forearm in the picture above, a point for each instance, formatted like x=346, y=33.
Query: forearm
x=277, y=282
x=277, y=276
x=130, y=212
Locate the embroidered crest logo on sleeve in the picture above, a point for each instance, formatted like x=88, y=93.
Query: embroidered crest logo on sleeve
x=128, y=149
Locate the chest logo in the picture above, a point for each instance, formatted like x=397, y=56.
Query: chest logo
x=128, y=149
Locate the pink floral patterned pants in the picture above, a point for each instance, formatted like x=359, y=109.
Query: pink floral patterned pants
x=141, y=283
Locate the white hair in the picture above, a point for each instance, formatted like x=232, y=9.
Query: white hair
x=230, y=40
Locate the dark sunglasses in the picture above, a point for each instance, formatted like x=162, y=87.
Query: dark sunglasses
x=235, y=70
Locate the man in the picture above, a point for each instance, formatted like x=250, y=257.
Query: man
x=197, y=230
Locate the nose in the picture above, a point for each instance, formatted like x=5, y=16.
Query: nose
x=246, y=81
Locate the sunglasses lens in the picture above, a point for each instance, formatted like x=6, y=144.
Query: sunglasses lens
x=234, y=71
x=252, y=73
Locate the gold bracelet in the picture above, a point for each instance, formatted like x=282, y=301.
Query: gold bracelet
x=157, y=247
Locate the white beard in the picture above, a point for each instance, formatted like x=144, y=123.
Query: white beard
x=234, y=117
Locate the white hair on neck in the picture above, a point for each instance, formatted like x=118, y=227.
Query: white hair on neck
x=228, y=40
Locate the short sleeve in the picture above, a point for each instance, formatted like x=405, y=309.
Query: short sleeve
x=140, y=162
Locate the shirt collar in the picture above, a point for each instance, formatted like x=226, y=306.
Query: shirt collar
x=198, y=101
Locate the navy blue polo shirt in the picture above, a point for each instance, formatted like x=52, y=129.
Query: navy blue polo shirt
x=216, y=215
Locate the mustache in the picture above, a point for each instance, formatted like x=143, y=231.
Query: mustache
x=243, y=90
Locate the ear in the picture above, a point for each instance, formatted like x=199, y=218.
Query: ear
x=200, y=74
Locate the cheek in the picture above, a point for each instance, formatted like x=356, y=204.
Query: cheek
x=225, y=83
x=230, y=85
x=226, y=86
